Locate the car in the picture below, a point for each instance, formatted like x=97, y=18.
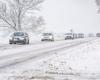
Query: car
x=69, y=36
x=47, y=37
x=80, y=35
x=97, y=34
x=19, y=37
x=75, y=35
x=91, y=35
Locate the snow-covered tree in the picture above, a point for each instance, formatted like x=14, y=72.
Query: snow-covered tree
x=12, y=12
x=34, y=24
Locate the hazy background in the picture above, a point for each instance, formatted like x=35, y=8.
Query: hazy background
x=63, y=15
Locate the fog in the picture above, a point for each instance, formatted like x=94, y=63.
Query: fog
x=63, y=15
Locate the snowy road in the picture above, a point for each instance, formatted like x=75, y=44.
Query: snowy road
x=15, y=56
x=20, y=53
x=43, y=49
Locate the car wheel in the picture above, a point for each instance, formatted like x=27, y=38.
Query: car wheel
x=52, y=40
x=24, y=42
x=28, y=42
x=10, y=43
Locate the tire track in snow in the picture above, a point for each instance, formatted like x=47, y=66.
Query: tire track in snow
x=29, y=51
x=39, y=54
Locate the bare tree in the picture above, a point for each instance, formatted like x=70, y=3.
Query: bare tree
x=38, y=23
x=13, y=12
x=34, y=24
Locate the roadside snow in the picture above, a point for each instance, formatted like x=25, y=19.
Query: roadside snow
x=81, y=62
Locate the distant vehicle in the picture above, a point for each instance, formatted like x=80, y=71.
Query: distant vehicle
x=47, y=37
x=80, y=35
x=97, y=34
x=19, y=37
x=69, y=36
x=91, y=35
x=75, y=36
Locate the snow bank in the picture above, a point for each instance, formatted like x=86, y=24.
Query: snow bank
x=76, y=61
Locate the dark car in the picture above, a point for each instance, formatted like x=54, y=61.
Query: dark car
x=19, y=37
x=47, y=37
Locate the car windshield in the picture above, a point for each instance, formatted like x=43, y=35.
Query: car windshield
x=18, y=34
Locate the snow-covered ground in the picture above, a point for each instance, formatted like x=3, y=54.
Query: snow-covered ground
x=60, y=60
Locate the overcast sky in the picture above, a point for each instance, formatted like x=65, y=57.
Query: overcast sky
x=63, y=15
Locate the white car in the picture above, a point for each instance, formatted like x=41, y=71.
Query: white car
x=47, y=37
x=69, y=36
